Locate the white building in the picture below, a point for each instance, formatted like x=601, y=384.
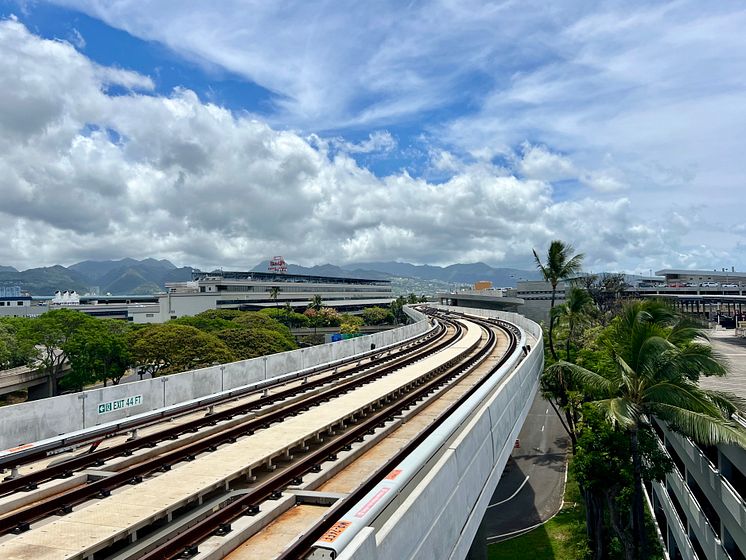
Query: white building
x=254, y=291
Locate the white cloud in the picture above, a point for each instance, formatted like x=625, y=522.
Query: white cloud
x=537, y=162
x=86, y=174
x=378, y=141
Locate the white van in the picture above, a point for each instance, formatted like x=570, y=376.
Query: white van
x=709, y=284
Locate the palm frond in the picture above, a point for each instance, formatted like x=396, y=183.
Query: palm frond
x=702, y=428
x=619, y=411
x=594, y=383
x=729, y=403
x=682, y=395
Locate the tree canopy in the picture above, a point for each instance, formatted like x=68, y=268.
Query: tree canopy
x=170, y=348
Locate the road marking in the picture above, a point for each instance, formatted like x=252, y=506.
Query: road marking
x=546, y=411
x=512, y=495
x=542, y=428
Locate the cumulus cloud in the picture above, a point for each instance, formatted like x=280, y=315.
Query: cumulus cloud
x=537, y=162
x=87, y=174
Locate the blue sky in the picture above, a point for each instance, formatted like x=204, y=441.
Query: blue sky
x=432, y=131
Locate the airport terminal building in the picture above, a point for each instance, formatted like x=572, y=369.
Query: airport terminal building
x=253, y=291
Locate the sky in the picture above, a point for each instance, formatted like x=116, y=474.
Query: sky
x=433, y=132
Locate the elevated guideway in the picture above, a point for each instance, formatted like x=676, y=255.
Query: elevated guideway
x=353, y=468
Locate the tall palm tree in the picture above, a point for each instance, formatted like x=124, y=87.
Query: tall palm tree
x=577, y=307
x=557, y=387
x=274, y=291
x=316, y=302
x=656, y=362
x=559, y=266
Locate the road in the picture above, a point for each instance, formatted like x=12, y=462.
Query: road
x=532, y=487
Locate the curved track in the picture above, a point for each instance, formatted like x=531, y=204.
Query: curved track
x=457, y=358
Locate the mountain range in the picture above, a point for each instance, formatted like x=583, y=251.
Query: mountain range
x=126, y=276
x=147, y=276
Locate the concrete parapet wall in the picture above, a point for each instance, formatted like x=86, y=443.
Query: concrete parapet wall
x=440, y=516
x=47, y=418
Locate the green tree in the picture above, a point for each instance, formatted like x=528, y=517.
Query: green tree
x=259, y=320
x=316, y=303
x=559, y=266
x=51, y=331
x=250, y=343
x=206, y=324
x=578, y=308
x=324, y=317
x=98, y=351
x=412, y=299
x=287, y=317
x=274, y=292
x=377, y=316
x=602, y=468
x=226, y=314
x=16, y=349
x=656, y=361
x=397, y=309
x=170, y=348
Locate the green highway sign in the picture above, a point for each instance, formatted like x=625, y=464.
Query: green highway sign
x=111, y=406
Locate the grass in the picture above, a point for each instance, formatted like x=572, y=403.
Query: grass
x=561, y=538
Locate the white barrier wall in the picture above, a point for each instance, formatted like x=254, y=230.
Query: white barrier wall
x=441, y=515
x=46, y=418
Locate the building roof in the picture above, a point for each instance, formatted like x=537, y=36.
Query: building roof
x=711, y=273
x=282, y=277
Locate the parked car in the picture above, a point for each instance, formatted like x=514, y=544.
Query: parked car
x=729, y=286
x=710, y=284
x=691, y=285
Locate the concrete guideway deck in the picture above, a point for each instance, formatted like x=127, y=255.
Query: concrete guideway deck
x=122, y=514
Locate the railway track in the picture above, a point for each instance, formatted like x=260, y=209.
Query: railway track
x=30, y=453
x=21, y=520
x=270, y=485
x=63, y=469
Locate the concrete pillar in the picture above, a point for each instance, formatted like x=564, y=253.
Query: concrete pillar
x=478, y=550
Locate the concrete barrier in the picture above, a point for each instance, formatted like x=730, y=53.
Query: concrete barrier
x=37, y=420
x=440, y=516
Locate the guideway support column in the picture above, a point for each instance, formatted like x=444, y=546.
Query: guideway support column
x=478, y=550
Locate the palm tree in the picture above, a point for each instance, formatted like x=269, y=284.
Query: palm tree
x=577, y=307
x=559, y=266
x=555, y=385
x=657, y=360
x=316, y=302
x=274, y=291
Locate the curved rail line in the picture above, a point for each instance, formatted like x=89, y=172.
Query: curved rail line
x=187, y=542
x=302, y=547
x=28, y=455
x=21, y=520
x=64, y=469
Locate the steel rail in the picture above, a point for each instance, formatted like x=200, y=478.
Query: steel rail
x=20, y=521
x=301, y=547
x=64, y=469
x=125, y=425
x=187, y=542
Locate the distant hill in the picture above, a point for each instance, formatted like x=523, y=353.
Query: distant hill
x=328, y=270
x=455, y=273
x=45, y=281
x=147, y=276
x=126, y=276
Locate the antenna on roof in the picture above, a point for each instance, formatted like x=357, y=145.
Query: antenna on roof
x=277, y=264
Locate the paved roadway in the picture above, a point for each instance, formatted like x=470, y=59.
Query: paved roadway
x=532, y=487
x=733, y=348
